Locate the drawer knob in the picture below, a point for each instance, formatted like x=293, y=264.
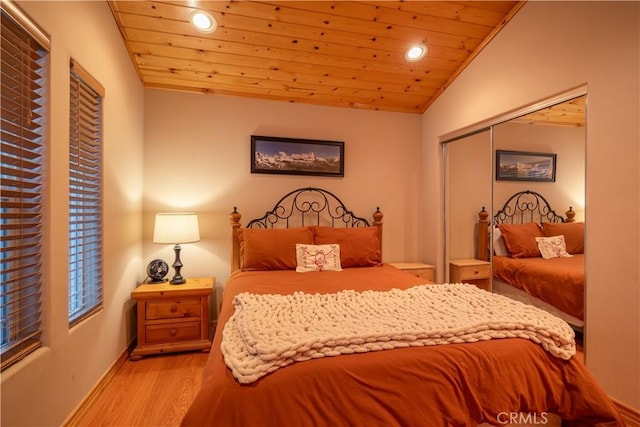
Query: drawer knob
x=173, y=332
x=174, y=308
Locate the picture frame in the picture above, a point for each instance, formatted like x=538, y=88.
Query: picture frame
x=525, y=166
x=294, y=156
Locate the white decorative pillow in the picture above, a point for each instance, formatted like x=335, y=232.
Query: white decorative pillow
x=552, y=247
x=499, y=246
x=317, y=257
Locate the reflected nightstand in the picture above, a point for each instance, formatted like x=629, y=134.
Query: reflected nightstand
x=472, y=271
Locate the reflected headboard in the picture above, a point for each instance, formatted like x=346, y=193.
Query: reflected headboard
x=522, y=207
x=300, y=208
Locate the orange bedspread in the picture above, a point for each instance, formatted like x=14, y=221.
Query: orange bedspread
x=557, y=281
x=447, y=385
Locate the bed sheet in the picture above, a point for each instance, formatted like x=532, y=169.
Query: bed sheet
x=557, y=281
x=447, y=385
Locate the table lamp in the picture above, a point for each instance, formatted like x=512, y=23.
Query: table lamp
x=176, y=228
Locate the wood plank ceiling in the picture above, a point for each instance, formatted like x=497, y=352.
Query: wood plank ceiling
x=334, y=53
x=571, y=113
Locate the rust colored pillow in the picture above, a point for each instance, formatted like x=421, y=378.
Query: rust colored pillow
x=359, y=246
x=521, y=239
x=573, y=233
x=271, y=248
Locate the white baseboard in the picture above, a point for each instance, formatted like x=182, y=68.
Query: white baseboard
x=630, y=416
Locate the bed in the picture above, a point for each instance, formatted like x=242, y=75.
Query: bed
x=398, y=381
x=550, y=277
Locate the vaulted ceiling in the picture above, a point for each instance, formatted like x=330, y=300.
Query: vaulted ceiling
x=334, y=53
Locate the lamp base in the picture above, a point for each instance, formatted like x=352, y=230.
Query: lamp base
x=177, y=265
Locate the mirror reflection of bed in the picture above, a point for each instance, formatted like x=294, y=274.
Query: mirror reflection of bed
x=537, y=255
x=557, y=126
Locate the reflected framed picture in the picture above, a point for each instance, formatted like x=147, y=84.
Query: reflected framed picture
x=292, y=156
x=525, y=166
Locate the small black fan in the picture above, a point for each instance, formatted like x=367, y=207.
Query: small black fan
x=157, y=270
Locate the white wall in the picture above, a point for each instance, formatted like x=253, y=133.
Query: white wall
x=197, y=158
x=45, y=388
x=548, y=48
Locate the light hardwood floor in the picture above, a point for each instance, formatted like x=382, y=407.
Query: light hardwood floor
x=154, y=391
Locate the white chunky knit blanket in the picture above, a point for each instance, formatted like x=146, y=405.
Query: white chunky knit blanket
x=267, y=332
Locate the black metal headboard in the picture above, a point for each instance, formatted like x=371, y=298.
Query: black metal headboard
x=526, y=206
x=523, y=207
x=303, y=207
x=308, y=206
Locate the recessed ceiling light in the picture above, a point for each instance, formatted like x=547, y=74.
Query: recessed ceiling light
x=203, y=21
x=415, y=53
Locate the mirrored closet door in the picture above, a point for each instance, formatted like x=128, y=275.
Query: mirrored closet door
x=527, y=167
x=468, y=165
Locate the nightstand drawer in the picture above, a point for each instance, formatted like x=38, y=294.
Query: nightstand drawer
x=173, y=309
x=171, y=332
x=418, y=269
x=423, y=273
x=470, y=272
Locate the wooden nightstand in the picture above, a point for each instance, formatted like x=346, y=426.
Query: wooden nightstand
x=472, y=271
x=424, y=271
x=173, y=318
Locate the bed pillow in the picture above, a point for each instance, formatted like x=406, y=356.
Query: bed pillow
x=359, y=246
x=520, y=239
x=499, y=246
x=271, y=248
x=552, y=247
x=317, y=258
x=573, y=233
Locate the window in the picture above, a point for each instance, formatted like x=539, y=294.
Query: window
x=24, y=96
x=85, y=195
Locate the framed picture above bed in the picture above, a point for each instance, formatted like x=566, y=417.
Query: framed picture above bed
x=525, y=166
x=292, y=156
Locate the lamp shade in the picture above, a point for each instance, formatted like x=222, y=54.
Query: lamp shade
x=176, y=228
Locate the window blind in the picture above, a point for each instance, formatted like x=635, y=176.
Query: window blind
x=85, y=195
x=24, y=92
